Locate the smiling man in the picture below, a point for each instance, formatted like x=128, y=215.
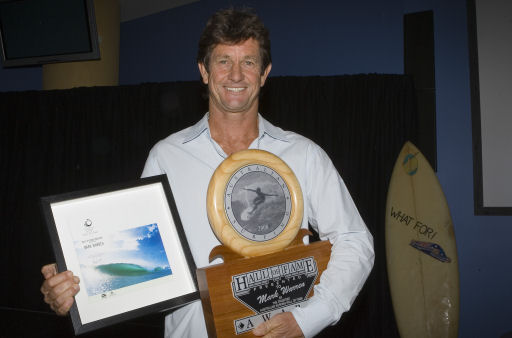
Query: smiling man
x=234, y=61
x=234, y=77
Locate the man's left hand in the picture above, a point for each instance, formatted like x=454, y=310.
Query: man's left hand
x=281, y=325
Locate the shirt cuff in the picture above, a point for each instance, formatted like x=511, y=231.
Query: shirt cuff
x=313, y=317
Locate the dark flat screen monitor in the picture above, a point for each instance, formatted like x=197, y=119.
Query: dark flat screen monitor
x=34, y=32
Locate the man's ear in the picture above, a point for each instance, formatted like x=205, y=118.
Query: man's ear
x=203, y=71
x=265, y=74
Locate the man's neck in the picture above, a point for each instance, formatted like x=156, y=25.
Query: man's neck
x=233, y=131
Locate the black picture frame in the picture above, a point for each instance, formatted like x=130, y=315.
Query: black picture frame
x=55, y=55
x=91, y=226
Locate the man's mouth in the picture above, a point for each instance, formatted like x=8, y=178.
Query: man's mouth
x=235, y=90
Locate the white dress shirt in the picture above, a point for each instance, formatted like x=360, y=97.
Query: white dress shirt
x=189, y=158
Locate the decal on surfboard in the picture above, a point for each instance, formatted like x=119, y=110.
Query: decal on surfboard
x=410, y=164
x=432, y=249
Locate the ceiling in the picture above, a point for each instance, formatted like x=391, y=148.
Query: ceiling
x=133, y=9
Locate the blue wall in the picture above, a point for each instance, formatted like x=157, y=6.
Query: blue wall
x=18, y=79
x=316, y=38
x=345, y=37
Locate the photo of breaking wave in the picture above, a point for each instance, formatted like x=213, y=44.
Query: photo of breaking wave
x=120, y=259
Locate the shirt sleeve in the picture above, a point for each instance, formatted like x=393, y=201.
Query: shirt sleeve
x=152, y=167
x=334, y=215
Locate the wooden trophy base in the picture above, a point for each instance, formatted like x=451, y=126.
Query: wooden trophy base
x=240, y=293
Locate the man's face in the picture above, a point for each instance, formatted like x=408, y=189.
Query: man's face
x=235, y=77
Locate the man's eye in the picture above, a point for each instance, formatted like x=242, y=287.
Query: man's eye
x=223, y=62
x=249, y=63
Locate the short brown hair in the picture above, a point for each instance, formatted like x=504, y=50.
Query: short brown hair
x=231, y=26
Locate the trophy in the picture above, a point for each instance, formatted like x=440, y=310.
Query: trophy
x=255, y=208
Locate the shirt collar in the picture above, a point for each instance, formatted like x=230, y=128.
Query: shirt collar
x=268, y=128
x=264, y=127
x=197, y=129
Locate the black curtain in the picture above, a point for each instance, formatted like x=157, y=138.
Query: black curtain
x=58, y=141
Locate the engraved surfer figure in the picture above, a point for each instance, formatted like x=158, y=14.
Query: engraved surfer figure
x=259, y=199
x=253, y=204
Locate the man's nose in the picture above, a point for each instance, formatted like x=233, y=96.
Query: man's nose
x=236, y=73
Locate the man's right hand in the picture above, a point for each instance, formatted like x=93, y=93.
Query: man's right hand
x=59, y=288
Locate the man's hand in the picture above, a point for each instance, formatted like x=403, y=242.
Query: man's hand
x=282, y=325
x=59, y=288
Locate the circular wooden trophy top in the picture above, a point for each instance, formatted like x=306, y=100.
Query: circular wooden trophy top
x=254, y=203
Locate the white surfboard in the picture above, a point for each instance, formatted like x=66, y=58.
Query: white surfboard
x=420, y=250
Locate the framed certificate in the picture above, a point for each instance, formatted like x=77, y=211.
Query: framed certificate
x=126, y=244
